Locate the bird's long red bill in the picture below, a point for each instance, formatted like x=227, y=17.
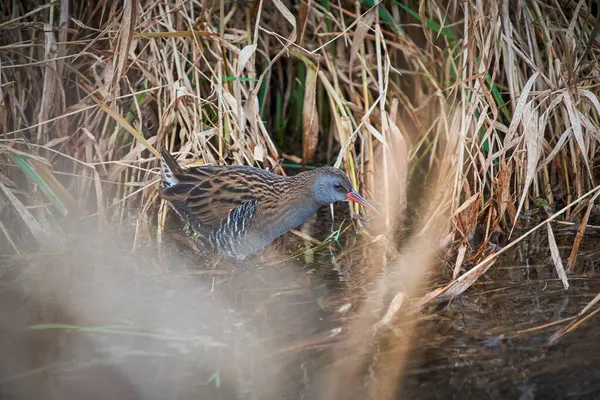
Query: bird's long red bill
x=357, y=198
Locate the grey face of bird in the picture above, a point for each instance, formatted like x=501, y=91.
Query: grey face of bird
x=331, y=185
x=329, y=188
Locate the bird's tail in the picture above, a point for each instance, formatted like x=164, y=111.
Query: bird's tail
x=169, y=168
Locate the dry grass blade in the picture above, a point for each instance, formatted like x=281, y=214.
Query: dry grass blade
x=579, y=237
x=363, y=27
x=28, y=14
x=49, y=97
x=391, y=312
x=245, y=55
x=519, y=110
x=581, y=317
x=57, y=188
x=592, y=98
x=42, y=234
x=576, y=125
x=458, y=286
x=310, y=117
x=125, y=38
x=462, y=250
x=290, y=40
x=125, y=124
x=533, y=139
x=560, y=270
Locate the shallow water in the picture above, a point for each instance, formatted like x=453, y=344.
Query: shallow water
x=472, y=346
x=99, y=322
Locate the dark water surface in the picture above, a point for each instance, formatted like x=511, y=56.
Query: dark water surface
x=98, y=322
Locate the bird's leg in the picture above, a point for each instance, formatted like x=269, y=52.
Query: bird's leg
x=187, y=228
x=199, y=243
x=362, y=221
x=184, y=239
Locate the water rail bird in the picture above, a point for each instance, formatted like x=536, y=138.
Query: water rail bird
x=238, y=210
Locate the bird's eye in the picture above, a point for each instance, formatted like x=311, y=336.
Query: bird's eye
x=337, y=186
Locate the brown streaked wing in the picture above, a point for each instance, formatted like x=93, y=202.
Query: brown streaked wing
x=209, y=193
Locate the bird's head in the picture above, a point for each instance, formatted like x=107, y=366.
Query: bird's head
x=332, y=184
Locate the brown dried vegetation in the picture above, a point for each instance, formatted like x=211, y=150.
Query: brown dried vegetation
x=464, y=121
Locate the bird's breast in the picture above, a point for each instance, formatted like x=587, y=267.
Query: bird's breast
x=291, y=216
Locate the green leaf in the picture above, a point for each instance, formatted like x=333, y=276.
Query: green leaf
x=298, y=166
x=33, y=176
x=123, y=330
x=262, y=96
x=235, y=78
x=385, y=15
x=448, y=32
x=216, y=377
x=497, y=96
x=278, y=120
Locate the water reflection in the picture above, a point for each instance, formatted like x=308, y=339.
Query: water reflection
x=101, y=322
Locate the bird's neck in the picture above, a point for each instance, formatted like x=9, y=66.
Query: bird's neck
x=295, y=208
x=291, y=218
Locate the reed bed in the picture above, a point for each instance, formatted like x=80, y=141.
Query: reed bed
x=469, y=124
x=505, y=98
